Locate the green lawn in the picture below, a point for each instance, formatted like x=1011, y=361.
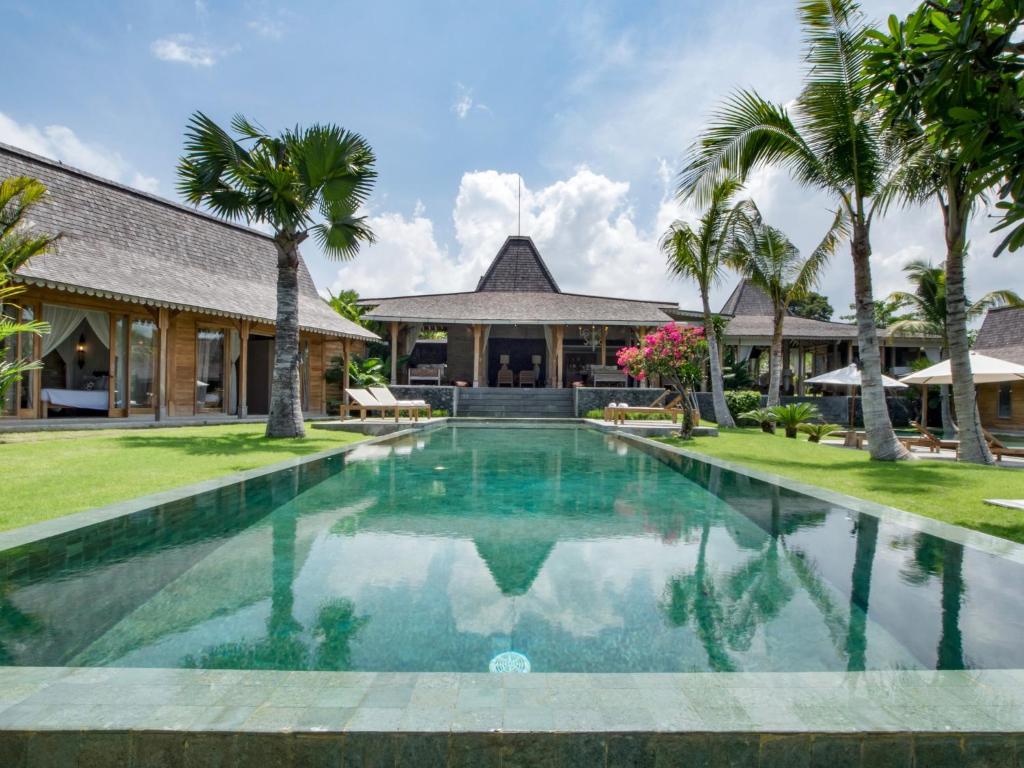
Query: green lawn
x=49, y=474
x=941, y=489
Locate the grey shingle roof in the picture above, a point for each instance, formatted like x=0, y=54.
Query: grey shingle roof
x=518, y=288
x=1002, y=335
x=121, y=243
x=518, y=307
x=747, y=299
x=518, y=267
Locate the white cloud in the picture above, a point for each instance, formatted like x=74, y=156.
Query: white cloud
x=59, y=142
x=266, y=27
x=464, y=102
x=184, y=49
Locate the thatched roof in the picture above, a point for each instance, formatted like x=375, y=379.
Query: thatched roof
x=749, y=312
x=124, y=244
x=1002, y=335
x=518, y=289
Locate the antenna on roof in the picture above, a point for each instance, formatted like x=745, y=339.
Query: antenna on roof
x=519, y=205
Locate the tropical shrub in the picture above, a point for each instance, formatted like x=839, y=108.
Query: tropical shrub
x=742, y=400
x=761, y=416
x=674, y=354
x=791, y=416
x=815, y=432
x=439, y=413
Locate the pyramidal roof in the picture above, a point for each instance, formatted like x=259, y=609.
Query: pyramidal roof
x=518, y=267
x=747, y=299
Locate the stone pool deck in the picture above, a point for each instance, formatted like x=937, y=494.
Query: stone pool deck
x=157, y=717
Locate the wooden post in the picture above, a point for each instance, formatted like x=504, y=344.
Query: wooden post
x=163, y=320
x=604, y=345
x=477, y=330
x=849, y=353
x=800, y=363
x=559, y=337
x=346, y=355
x=243, y=371
x=394, y=351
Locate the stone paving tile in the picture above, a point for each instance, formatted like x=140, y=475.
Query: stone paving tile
x=580, y=719
x=628, y=750
x=521, y=750
x=265, y=750
x=210, y=750
x=479, y=697
x=317, y=750
x=475, y=750
x=583, y=750
x=483, y=719
x=427, y=719
x=52, y=750
x=338, y=697
x=528, y=719
x=387, y=696
x=785, y=751
x=375, y=719
x=422, y=750
x=158, y=750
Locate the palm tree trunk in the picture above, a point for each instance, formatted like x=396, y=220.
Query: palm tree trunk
x=973, y=447
x=860, y=592
x=722, y=414
x=775, y=360
x=285, y=419
x=948, y=425
x=882, y=442
x=951, y=644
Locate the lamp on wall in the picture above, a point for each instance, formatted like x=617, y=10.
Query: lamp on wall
x=80, y=349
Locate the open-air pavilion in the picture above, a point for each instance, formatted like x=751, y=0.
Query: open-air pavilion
x=517, y=329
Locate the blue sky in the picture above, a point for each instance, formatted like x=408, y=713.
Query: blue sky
x=592, y=103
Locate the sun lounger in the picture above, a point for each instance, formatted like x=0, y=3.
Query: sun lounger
x=999, y=449
x=413, y=407
x=671, y=408
x=365, y=402
x=927, y=439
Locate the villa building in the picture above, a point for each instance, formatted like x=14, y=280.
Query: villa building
x=155, y=308
x=1001, y=406
x=517, y=328
x=809, y=347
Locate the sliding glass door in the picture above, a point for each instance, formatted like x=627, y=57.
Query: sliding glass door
x=211, y=389
x=141, y=366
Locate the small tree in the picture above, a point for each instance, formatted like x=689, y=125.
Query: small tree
x=674, y=354
x=17, y=245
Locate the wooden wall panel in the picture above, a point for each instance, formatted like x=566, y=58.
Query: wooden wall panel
x=183, y=367
x=316, y=374
x=988, y=407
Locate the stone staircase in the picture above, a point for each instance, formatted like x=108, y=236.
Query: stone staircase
x=508, y=402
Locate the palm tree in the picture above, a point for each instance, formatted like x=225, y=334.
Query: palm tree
x=832, y=143
x=17, y=245
x=766, y=257
x=700, y=255
x=929, y=315
x=306, y=181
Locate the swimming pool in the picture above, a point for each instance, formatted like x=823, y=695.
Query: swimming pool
x=443, y=551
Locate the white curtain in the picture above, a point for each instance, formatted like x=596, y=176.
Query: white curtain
x=549, y=350
x=412, y=333
x=485, y=335
x=204, y=351
x=934, y=354
x=744, y=352
x=64, y=320
x=236, y=353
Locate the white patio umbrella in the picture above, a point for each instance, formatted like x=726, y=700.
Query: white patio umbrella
x=850, y=377
x=984, y=370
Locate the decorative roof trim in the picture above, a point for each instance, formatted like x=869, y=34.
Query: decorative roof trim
x=78, y=289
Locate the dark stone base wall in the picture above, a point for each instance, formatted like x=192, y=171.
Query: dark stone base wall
x=589, y=398
x=440, y=398
x=171, y=749
x=835, y=409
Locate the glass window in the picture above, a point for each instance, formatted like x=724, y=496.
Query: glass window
x=142, y=365
x=9, y=353
x=1005, y=410
x=120, y=362
x=210, y=370
x=27, y=346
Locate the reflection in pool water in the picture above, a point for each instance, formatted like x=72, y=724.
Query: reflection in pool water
x=442, y=551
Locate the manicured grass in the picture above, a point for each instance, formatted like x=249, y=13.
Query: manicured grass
x=944, y=490
x=49, y=474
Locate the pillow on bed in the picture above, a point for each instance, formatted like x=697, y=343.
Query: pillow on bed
x=89, y=385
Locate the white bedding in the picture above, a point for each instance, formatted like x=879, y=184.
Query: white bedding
x=93, y=400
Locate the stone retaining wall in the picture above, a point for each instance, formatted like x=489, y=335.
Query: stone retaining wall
x=589, y=398
x=834, y=409
x=440, y=398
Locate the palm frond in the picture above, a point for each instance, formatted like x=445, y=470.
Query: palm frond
x=809, y=274
x=343, y=231
x=747, y=132
x=993, y=299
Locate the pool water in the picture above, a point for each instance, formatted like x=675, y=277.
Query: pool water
x=570, y=548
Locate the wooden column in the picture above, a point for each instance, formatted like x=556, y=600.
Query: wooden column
x=394, y=351
x=559, y=337
x=800, y=369
x=163, y=321
x=849, y=353
x=243, y=371
x=346, y=355
x=477, y=331
x=604, y=345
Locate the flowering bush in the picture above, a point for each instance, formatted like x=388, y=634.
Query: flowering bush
x=672, y=353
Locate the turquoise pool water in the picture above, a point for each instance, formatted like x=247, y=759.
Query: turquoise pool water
x=441, y=551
